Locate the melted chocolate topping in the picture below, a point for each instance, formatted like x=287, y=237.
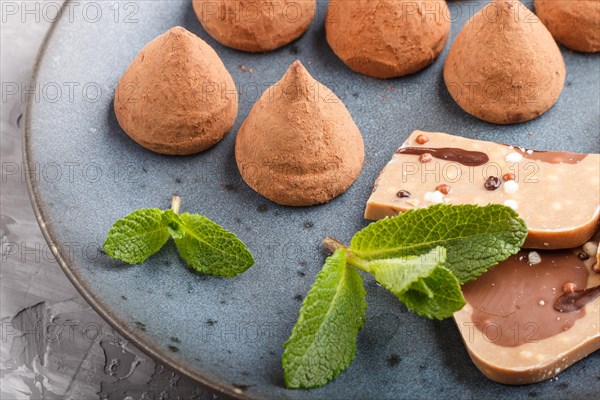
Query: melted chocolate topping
x=574, y=301
x=552, y=157
x=513, y=302
x=464, y=157
x=555, y=157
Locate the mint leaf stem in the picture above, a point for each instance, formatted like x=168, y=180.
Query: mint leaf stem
x=175, y=204
x=358, y=262
x=332, y=244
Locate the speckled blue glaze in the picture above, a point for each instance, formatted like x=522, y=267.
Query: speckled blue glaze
x=228, y=333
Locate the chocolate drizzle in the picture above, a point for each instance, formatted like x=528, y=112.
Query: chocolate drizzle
x=574, y=301
x=554, y=157
x=551, y=157
x=464, y=157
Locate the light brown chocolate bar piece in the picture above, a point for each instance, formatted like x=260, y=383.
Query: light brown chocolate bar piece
x=556, y=193
x=533, y=315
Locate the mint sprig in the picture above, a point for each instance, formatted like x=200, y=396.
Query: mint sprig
x=204, y=245
x=421, y=256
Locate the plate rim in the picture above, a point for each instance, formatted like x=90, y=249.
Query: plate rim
x=39, y=210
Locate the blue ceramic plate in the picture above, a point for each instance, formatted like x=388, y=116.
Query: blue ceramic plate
x=228, y=333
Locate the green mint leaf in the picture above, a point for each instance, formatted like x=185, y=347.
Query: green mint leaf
x=421, y=282
x=173, y=224
x=210, y=249
x=441, y=298
x=398, y=274
x=323, y=342
x=476, y=238
x=137, y=236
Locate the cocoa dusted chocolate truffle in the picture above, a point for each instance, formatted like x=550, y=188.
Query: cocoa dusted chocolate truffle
x=299, y=145
x=504, y=66
x=176, y=97
x=387, y=38
x=574, y=23
x=255, y=25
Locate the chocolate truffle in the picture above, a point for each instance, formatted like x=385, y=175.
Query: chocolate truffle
x=299, y=145
x=387, y=38
x=255, y=25
x=574, y=23
x=176, y=97
x=504, y=66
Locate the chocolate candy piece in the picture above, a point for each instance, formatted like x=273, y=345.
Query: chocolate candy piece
x=512, y=325
x=492, y=183
x=556, y=193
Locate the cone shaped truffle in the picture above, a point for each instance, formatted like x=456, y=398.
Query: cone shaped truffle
x=504, y=66
x=176, y=97
x=255, y=25
x=299, y=145
x=574, y=23
x=387, y=38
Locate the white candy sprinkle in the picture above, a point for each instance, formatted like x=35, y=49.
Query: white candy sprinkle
x=529, y=151
x=534, y=258
x=436, y=197
x=590, y=248
x=511, y=203
x=511, y=187
x=514, y=157
x=541, y=302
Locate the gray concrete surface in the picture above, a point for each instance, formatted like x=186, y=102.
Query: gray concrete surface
x=54, y=346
